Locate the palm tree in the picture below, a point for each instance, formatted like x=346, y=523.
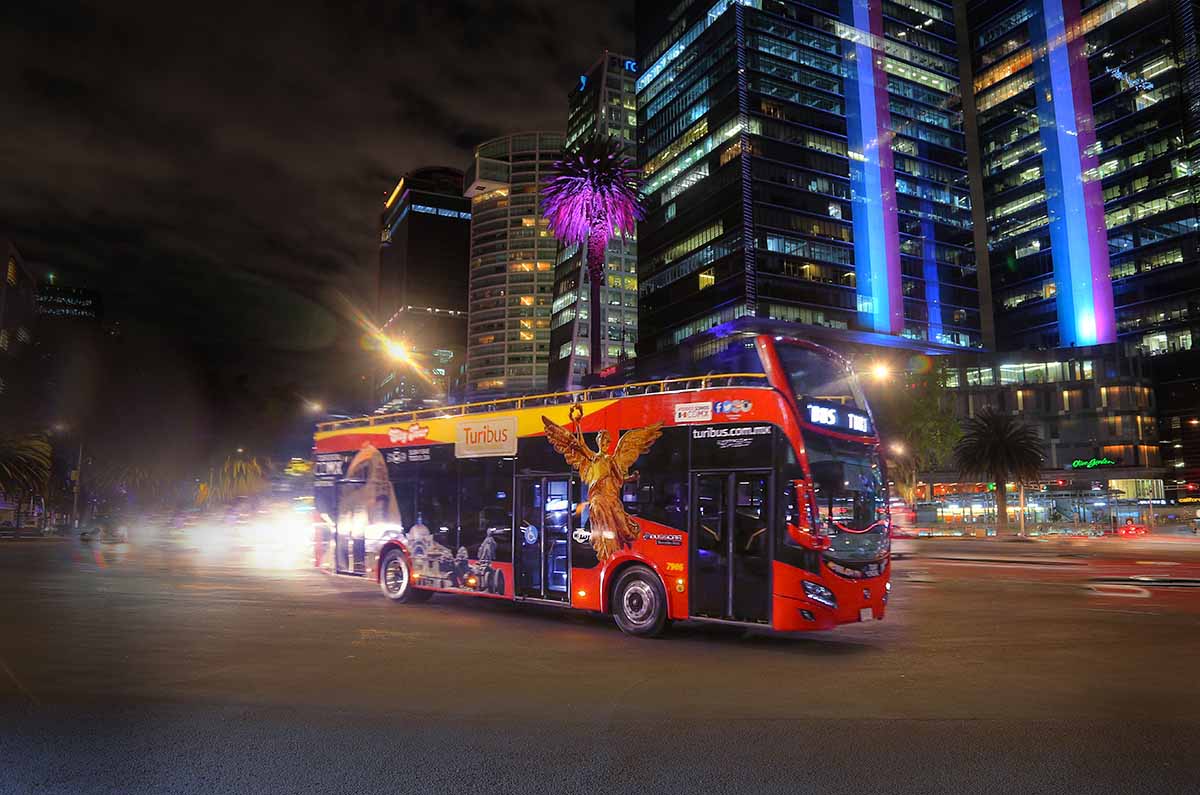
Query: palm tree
x=997, y=447
x=24, y=466
x=594, y=195
x=238, y=476
x=126, y=481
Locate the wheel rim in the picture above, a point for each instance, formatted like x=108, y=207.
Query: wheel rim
x=639, y=603
x=395, y=576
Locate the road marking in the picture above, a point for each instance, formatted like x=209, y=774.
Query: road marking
x=1157, y=562
x=366, y=636
x=1118, y=589
x=1123, y=612
x=968, y=561
x=28, y=694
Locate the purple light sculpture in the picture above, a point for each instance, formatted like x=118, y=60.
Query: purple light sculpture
x=593, y=196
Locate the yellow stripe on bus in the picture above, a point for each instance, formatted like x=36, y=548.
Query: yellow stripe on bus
x=442, y=429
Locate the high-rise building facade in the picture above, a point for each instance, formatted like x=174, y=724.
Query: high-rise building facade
x=18, y=310
x=512, y=259
x=424, y=242
x=1087, y=120
x=602, y=104
x=805, y=162
x=422, y=291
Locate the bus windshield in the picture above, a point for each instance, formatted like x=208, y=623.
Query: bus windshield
x=814, y=375
x=851, y=502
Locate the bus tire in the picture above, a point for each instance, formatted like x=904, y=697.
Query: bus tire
x=639, y=603
x=395, y=578
x=498, y=583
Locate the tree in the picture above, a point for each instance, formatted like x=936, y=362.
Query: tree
x=997, y=447
x=127, y=484
x=593, y=195
x=238, y=476
x=920, y=424
x=24, y=466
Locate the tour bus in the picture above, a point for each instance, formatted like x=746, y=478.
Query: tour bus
x=750, y=492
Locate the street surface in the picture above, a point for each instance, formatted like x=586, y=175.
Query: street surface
x=193, y=664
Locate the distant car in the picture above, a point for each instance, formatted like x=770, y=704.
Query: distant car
x=105, y=530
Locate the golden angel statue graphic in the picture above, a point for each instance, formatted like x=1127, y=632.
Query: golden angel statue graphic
x=604, y=474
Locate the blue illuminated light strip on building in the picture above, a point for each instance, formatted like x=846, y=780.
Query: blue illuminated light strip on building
x=929, y=270
x=1074, y=200
x=872, y=175
x=424, y=208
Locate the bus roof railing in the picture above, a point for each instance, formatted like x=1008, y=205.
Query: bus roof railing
x=660, y=386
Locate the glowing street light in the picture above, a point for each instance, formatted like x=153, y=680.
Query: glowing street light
x=397, y=350
x=880, y=371
x=897, y=448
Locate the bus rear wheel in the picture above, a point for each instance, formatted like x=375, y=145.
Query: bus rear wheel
x=395, y=579
x=640, y=603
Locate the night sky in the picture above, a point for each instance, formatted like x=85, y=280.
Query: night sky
x=217, y=170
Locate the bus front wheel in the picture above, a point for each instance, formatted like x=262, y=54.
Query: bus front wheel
x=639, y=603
x=395, y=579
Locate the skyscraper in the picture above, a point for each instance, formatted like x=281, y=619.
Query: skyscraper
x=422, y=292
x=511, y=264
x=18, y=309
x=805, y=165
x=1087, y=123
x=603, y=103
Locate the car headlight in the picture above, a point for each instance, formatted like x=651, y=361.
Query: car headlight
x=819, y=593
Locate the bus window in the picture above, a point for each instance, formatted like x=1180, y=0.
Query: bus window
x=657, y=489
x=485, y=506
x=435, y=495
x=849, y=494
x=813, y=375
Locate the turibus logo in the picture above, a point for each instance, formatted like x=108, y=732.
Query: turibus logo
x=483, y=438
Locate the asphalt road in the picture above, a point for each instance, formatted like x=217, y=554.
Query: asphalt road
x=156, y=667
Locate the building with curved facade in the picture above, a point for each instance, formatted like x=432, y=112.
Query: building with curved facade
x=511, y=279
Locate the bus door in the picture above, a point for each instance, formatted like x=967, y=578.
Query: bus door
x=544, y=521
x=350, y=549
x=730, y=545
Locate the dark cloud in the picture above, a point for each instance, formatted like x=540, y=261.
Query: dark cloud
x=217, y=169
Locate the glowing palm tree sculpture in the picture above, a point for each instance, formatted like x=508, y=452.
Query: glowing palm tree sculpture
x=593, y=196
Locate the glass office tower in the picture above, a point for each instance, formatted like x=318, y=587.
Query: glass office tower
x=1086, y=120
x=422, y=294
x=805, y=162
x=512, y=264
x=602, y=103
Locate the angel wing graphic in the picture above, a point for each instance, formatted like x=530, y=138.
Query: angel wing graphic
x=612, y=528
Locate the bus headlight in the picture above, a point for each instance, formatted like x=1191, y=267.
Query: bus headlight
x=819, y=593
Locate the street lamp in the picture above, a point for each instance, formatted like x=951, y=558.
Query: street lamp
x=880, y=371
x=77, y=475
x=397, y=350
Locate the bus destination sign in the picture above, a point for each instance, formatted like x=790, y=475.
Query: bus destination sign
x=838, y=417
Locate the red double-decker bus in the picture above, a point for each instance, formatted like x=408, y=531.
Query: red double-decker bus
x=751, y=494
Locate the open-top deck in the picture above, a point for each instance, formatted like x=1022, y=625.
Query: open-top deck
x=656, y=387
